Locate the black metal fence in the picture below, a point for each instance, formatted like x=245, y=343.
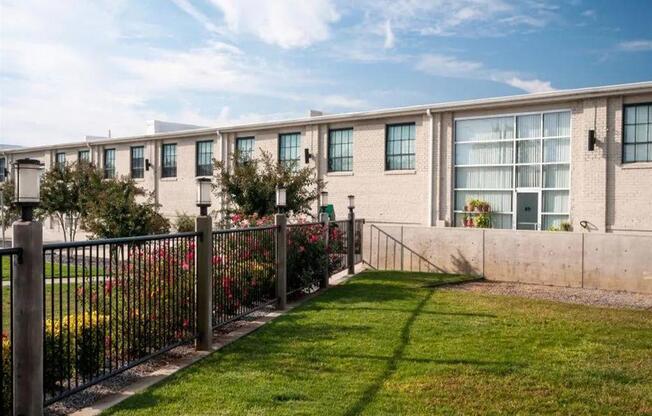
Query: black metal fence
x=7, y=257
x=112, y=304
x=244, y=272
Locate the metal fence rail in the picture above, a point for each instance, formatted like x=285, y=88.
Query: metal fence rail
x=244, y=272
x=7, y=257
x=112, y=304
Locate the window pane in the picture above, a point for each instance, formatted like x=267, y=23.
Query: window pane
x=399, y=147
x=641, y=114
x=497, y=128
x=528, y=126
x=630, y=133
x=499, y=201
x=556, y=150
x=550, y=221
x=527, y=176
x=556, y=124
x=630, y=153
x=483, y=153
x=484, y=178
x=630, y=115
x=555, y=201
x=528, y=151
x=641, y=133
x=556, y=176
x=641, y=152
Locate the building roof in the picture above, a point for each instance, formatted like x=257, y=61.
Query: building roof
x=475, y=104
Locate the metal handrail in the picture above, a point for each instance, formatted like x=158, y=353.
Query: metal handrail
x=121, y=240
x=244, y=229
x=401, y=244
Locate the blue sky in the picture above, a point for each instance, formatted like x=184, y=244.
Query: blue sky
x=75, y=68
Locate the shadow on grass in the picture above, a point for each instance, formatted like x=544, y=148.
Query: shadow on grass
x=392, y=363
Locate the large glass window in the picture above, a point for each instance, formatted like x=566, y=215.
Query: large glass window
x=109, y=163
x=637, y=136
x=169, y=160
x=497, y=156
x=138, y=162
x=60, y=160
x=340, y=150
x=399, y=146
x=288, y=148
x=245, y=147
x=204, y=157
x=3, y=168
x=84, y=156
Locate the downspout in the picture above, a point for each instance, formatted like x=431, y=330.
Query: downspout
x=431, y=139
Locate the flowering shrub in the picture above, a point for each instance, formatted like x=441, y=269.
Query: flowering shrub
x=73, y=345
x=6, y=394
x=306, y=255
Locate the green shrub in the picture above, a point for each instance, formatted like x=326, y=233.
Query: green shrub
x=6, y=376
x=184, y=223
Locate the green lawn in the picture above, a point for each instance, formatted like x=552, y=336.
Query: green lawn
x=52, y=269
x=391, y=343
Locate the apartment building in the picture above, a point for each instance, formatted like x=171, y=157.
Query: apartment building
x=582, y=156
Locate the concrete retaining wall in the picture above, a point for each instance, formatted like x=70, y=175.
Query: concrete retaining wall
x=599, y=261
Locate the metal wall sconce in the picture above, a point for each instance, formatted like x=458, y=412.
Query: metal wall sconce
x=592, y=140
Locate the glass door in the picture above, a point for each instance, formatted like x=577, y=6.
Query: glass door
x=527, y=210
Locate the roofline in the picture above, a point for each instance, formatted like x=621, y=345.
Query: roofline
x=475, y=104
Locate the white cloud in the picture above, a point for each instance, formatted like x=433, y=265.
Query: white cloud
x=636, y=45
x=448, y=66
x=286, y=23
x=193, y=12
x=389, y=35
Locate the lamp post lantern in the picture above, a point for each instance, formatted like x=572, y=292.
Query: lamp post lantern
x=351, y=203
x=281, y=199
x=203, y=195
x=324, y=201
x=28, y=186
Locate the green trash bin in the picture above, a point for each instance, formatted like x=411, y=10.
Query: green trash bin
x=331, y=212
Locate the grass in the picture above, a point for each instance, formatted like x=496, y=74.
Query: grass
x=52, y=269
x=60, y=301
x=392, y=343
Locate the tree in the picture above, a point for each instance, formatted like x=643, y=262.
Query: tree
x=9, y=211
x=117, y=213
x=250, y=185
x=67, y=192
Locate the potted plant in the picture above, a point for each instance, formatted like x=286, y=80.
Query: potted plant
x=474, y=205
x=566, y=226
x=483, y=221
x=484, y=206
x=468, y=221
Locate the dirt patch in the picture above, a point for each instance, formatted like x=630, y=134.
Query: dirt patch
x=592, y=297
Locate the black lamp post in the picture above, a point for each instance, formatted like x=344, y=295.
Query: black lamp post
x=323, y=201
x=28, y=186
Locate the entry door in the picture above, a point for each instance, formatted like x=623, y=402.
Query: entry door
x=527, y=210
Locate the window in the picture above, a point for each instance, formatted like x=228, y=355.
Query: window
x=138, y=162
x=399, y=146
x=340, y=150
x=3, y=168
x=169, y=161
x=84, y=156
x=637, y=136
x=109, y=163
x=60, y=160
x=497, y=157
x=245, y=147
x=204, y=158
x=288, y=148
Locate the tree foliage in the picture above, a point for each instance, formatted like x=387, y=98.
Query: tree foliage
x=10, y=211
x=250, y=185
x=117, y=212
x=68, y=192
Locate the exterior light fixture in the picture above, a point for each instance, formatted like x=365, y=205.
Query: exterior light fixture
x=351, y=202
x=592, y=140
x=281, y=200
x=203, y=195
x=324, y=201
x=28, y=186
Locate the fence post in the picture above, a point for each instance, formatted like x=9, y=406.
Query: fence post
x=204, y=225
x=324, y=219
x=281, y=259
x=350, y=242
x=27, y=319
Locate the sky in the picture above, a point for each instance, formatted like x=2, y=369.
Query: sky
x=75, y=68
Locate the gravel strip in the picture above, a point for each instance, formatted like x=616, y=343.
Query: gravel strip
x=592, y=297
